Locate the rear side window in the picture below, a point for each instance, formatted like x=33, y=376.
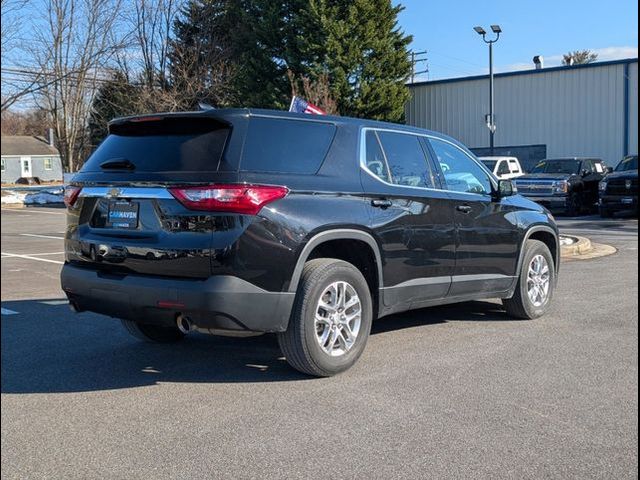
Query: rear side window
x=503, y=169
x=164, y=145
x=376, y=162
x=286, y=146
x=406, y=159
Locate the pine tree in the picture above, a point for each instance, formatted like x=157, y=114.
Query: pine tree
x=354, y=46
x=359, y=45
x=115, y=98
x=265, y=48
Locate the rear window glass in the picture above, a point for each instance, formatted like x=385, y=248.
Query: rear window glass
x=176, y=145
x=286, y=146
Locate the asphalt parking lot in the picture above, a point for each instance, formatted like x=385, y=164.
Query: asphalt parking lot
x=459, y=392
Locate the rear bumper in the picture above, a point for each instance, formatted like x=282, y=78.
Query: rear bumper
x=550, y=202
x=221, y=302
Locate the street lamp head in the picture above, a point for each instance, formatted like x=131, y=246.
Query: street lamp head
x=496, y=29
x=480, y=30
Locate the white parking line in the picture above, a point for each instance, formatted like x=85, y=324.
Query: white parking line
x=55, y=302
x=6, y=311
x=31, y=210
x=29, y=257
x=40, y=236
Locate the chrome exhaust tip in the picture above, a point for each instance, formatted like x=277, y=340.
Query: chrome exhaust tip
x=184, y=324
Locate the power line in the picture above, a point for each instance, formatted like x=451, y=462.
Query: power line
x=35, y=74
x=456, y=59
x=418, y=57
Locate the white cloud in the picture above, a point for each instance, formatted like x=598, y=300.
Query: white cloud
x=616, y=53
x=604, y=54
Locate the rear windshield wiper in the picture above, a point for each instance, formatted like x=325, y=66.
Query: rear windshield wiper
x=118, y=164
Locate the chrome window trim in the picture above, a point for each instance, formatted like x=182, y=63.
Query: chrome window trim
x=363, y=161
x=363, y=157
x=425, y=281
x=126, y=192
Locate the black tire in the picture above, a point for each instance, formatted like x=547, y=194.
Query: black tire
x=152, y=333
x=520, y=305
x=605, y=212
x=299, y=343
x=574, y=207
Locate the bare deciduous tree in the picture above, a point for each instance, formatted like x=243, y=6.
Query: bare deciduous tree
x=579, y=57
x=71, y=51
x=151, y=23
x=201, y=75
x=31, y=122
x=18, y=81
x=316, y=91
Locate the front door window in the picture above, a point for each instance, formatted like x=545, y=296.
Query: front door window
x=461, y=173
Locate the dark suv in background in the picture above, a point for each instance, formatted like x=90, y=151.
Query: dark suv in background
x=619, y=190
x=568, y=185
x=240, y=222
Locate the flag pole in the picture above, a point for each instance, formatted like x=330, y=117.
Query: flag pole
x=293, y=99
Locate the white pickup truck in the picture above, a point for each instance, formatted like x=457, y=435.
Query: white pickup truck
x=503, y=167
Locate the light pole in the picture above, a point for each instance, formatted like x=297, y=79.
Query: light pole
x=490, y=118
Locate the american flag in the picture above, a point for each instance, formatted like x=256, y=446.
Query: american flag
x=299, y=105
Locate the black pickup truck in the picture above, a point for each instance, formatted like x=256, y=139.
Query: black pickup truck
x=619, y=191
x=568, y=185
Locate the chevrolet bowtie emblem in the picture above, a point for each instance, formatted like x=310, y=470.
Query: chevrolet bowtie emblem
x=114, y=192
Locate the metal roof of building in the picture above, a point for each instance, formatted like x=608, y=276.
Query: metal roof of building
x=532, y=71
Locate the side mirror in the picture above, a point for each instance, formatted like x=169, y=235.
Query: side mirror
x=608, y=169
x=584, y=172
x=506, y=188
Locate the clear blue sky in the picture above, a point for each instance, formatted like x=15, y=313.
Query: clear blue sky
x=545, y=27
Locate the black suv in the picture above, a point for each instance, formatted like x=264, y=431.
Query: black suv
x=569, y=185
x=240, y=222
x=619, y=190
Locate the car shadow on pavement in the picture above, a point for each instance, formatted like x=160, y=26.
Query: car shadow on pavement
x=479, y=311
x=46, y=348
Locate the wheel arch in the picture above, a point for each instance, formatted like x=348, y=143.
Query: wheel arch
x=549, y=237
x=546, y=235
x=333, y=237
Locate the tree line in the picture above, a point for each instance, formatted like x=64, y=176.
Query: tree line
x=88, y=61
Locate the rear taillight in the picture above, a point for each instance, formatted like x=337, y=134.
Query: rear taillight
x=247, y=199
x=71, y=195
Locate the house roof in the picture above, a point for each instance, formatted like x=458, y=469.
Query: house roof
x=26, y=145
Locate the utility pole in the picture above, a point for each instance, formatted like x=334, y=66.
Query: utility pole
x=490, y=119
x=417, y=57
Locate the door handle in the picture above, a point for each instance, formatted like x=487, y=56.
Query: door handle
x=464, y=209
x=381, y=203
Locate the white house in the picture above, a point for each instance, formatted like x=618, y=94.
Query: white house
x=29, y=157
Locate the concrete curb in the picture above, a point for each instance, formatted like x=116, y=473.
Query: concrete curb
x=579, y=246
x=583, y=249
